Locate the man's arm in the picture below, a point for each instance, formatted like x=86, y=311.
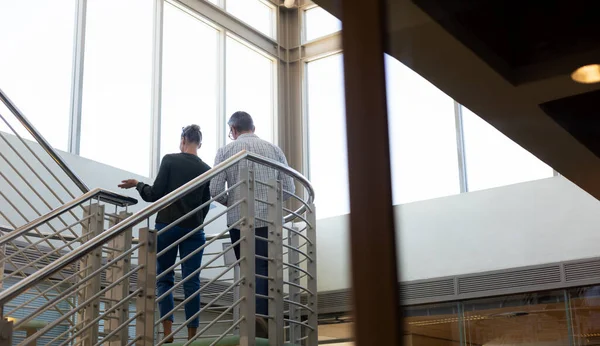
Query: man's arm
x=152, y=193
x=217, y=184
x=287, y=181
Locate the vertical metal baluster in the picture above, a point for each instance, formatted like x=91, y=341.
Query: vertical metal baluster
x=275, y=246
x=247, y=265
x=144, y=328
x=294, y=292
x=93, y=261
x=311, y=249
x=117, y=246
x=2, y=256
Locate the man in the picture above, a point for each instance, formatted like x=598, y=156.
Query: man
x=241, y=131
x=175, y=171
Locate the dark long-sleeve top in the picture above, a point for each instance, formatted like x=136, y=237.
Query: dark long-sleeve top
x=175, y=171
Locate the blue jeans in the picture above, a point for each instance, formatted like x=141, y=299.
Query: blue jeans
x=164, y=262
x=261, y=266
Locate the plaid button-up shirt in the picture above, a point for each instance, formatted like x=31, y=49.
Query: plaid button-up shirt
x=231, y=176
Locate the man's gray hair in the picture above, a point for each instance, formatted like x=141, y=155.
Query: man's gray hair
x=241, y=121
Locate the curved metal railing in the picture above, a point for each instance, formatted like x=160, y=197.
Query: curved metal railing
x=42, y=142
x=100, y=290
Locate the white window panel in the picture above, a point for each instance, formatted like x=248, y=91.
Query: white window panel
x=255, y=13
x=327, y=151
x=189, y=81
x=493, y=160
x=36, y=64
x=422, y=131
x=116, y=113
x=250, y=87
x=319, y=23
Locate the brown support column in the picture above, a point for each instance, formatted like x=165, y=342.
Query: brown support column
x=372, y=239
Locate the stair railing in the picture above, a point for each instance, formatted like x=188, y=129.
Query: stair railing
x=46, y=211
x=119, y=307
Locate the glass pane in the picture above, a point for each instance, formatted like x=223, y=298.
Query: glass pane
x=116, y=119
x=532, y=319
x=250, y=86
x=319, y=23
x=493, y=159
x=327, y=135
x=336, y=329
x=432, y=325
x=190, y=81
x=255, y=13
x=36, y=64
x=585, y=312
x=424, y=158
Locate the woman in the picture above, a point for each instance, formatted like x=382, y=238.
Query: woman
x=175, y=171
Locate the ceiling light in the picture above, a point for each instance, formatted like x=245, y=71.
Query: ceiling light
x=587, y=74
x=289, y=3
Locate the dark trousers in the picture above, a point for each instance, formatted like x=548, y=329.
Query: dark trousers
x=168, y=259
x=262, y=266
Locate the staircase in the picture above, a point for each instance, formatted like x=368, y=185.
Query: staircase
x=80, y=268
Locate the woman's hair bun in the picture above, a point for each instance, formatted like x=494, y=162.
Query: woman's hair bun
x=192, y=133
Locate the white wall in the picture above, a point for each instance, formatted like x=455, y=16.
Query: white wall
x=537, y=222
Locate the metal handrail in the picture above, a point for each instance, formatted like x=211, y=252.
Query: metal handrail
x=104, y=195
x=147, y=212
x=43, y=142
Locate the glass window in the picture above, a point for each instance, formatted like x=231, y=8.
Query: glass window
x=250, y=86
x=422, y=130
x=116, y=115
x=540, y=318
x=584, y=307
x=36, y=64
x=319, y=23
x=255, y=13
x=189, y=81
x=493, y=160
x=327, y=151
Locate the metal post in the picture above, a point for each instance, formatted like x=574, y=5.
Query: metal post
x=372, y=231
x=157, y=48
x=229, y=258
x=93, y=262
x=117, y=246
x=247, y=265
x=144, y=327
x=77, y=77
x=311, y=249
x=295, y=314
x=275, y=246
x=2, y=256
x=6, y=332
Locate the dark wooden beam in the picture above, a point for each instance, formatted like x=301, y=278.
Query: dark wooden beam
x=372, y=236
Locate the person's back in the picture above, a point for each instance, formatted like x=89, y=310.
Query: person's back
x=242, y=132
x=181, y=168
x=174, y=235
x=251, y=143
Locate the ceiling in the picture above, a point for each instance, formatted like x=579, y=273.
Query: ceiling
x=510, y=62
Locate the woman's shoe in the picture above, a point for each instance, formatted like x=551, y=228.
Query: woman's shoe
x=192, y=332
